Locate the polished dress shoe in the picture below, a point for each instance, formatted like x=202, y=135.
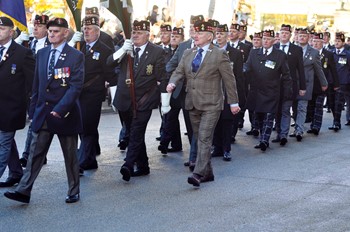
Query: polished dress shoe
x=91, y=166
x=276, y=140
x=194, y=180
x=335, y=128
x=16, y=196
x=126, y=173
x=186, y=164
x=10, y=182
x=262, y=145
x=313, y=131
x=216, y=152
x=227, y=156
x=207, y=178
x=141, y=172
x=158, y=138
x=73, y=198
x=23, y=162
x=253, y=132
x=283, y=141
x=299, y=137
x=192, y=166
x=163, y=149
x=122, y=145
x=293, y=135
x=174, y=149
x=347, y=123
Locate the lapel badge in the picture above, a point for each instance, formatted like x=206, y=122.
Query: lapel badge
x=5, y=57
x=62, y=56
x=96, y=56
x=149, y=69
x=310, y=58
x=13, y=69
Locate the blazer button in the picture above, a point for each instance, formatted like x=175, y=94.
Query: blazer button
x=46, y=103
x=47, y=90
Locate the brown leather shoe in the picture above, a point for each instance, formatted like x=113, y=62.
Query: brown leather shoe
x=195, y=180
x=207, y=178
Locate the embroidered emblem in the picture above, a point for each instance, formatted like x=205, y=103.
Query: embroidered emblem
x=149, y=69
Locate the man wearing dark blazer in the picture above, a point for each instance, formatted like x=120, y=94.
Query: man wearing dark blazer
x=312, y=68
x=148, y=69
x=97, y=73
x=315, y=105
x=205, y=68
x=269, y=71
x=180, y=93
x=54, y=109
x=224, y=127
x=296, y=69
x=17, y=71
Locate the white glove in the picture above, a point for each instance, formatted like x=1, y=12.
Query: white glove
x=24, y=36
x=126, y=48
x=77, y=37
x=165, y=97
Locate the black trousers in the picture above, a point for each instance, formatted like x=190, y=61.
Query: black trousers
x=137, y=147
x=171, y=130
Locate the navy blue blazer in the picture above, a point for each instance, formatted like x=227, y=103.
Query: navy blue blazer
x=52, y=95
x=16, y=78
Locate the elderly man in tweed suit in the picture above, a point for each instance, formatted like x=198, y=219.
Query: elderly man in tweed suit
x=205, y=68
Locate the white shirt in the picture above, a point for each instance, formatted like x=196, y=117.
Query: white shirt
x=269, y=50
x=7, y=45
x=40, y=44
x=143, y=47
x=286, y=48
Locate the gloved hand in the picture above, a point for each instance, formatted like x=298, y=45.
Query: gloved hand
x=165, y=97
x=126, y=48
x=77, y=37
x=24, y=36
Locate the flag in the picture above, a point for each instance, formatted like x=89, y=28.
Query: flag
x=14, y=9
x=75, y=7
x=122, y=9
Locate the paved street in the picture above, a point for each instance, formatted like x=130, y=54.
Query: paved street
x=304, y=186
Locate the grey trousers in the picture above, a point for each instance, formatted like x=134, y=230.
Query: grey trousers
x=38, y=149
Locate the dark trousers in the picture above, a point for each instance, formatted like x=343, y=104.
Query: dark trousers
x=25, y=153
x=316, y=116
x=38, y=149
x=265, y=123
x=222, y=135
x=137, y=147
x=171, y=130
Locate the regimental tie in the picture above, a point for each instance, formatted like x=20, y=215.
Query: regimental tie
x=52, y=63
x=34, y=46
x=2, y=48
x=87, y=48
x=136, y=57
x=283, y=48
x=197, y=60
x=265, y=53
x=338, y=51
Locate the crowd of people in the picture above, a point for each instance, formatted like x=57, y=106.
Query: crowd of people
x=213, y=78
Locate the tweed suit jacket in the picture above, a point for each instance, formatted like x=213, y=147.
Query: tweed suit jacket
x=16, y=78
x=49, y=94
x=312, y=68
x=204, y=89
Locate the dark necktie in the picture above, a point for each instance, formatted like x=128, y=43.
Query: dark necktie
x=34, y=46
x=52, y=63
x=2, y=48
x=87, y=49
x=283, y=48
x=338, y=51
x=197, y=60
x=265, y=53
x=136, y=57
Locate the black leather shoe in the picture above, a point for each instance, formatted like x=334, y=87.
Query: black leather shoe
x=227, y=156
x=207, y=178
x=73, y=198
x=158, y=138
x=141, y=172
x=293, y=135
x=162, y=149
x=123, y=145
x=125, y=173
x=174, y=149
x=335, y=128
x=81, y=171
x=23, y=162
x=194, y=180
x=240, y=125
x=186, y=164
x=16, y=196
x=192, y=166
x=347, y=123
x=313, y=131
x=10, y=182
x=253, y=132
x=91, y=166
x=299, y=137
x=283, y=141
x=276, y=140
x=263, y=146
x=45, y=161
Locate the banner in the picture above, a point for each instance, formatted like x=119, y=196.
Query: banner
x=14, y=9
x=122, y=9
x=75, y=7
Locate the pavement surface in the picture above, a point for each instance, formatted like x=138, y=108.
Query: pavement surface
x=304, y=186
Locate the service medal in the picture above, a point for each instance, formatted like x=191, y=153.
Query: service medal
x=96, y=56
x=149, y=69
x=13, y=69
